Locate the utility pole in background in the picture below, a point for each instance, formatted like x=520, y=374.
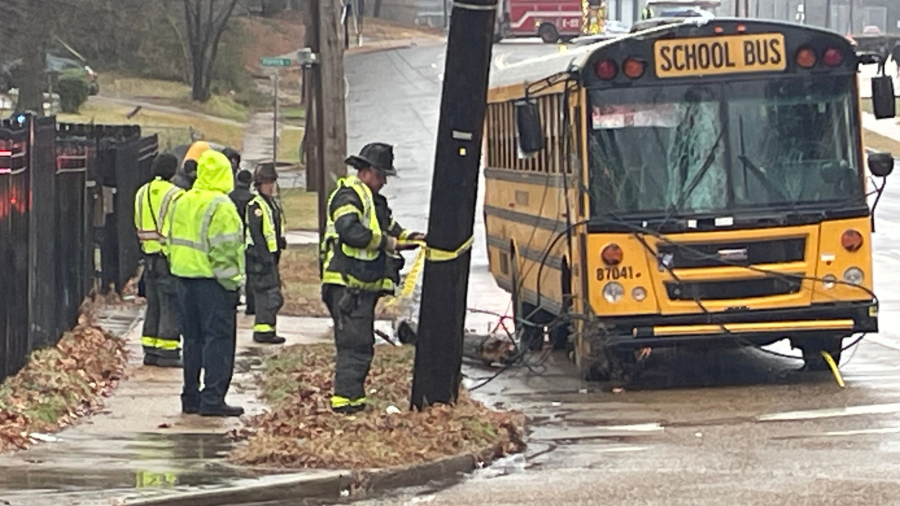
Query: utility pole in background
x=325, y=141
x=439, y=344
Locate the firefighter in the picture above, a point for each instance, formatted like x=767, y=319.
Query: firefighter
x=160, y=337
x=186, y=176
x=241, y=196
x=235, y=158
x=265, y=241
x=358, y=255
x=646, y=13
x=206, y=252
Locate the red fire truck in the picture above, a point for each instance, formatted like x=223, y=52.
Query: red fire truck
x=551, y=20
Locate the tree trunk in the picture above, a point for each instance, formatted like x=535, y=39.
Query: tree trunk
x=31, y=80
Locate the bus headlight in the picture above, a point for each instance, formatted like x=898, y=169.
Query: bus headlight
x=613, y=292
x=854, y=276
x=639, y=293
x=828, y=281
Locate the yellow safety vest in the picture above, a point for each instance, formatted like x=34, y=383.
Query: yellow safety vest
x=151, y=205
x=268, y=224
x=205, y=234
x=362, y=268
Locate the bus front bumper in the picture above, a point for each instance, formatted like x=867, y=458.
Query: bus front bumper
x=747, y=327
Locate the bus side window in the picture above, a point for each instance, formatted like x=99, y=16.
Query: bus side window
x=529, y=131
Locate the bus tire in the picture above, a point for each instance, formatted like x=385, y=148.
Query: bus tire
x=812, y=349
x=530, y=336
x=562, y=329
x=548, y=33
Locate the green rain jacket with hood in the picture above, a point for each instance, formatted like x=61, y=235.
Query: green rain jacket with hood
x=205, y=232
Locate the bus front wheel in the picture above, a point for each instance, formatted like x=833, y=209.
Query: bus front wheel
x=812, y=349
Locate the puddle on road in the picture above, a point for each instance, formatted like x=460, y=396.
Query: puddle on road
x=149, y=461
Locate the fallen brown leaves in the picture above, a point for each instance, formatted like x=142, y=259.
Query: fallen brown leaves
x=300, y=431
x=59, y=385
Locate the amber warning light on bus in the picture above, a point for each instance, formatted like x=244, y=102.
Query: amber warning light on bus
x=611, y=254
x=852, y=240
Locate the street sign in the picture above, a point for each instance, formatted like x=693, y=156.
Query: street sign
x=276, y=62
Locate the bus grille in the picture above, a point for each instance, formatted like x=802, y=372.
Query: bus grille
x=736, y=253
x=734, y=289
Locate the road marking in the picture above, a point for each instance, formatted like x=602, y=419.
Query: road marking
x=622, y=449
x=872, y=409
x=639, y=427
x=841, y=433
x=865, y=379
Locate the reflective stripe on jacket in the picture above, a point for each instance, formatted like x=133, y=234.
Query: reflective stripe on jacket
x=151, y=205
x=361, y=266
x=269, y=230
x=205, y=234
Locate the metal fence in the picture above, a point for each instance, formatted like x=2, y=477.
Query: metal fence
x=66, y=224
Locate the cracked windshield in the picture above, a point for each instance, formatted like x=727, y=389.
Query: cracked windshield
x=764, y=145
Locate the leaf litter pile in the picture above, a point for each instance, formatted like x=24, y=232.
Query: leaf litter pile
x=300, y=431
x=59, y=385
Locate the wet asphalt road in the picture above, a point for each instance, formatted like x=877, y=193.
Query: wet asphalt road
x=735, y=427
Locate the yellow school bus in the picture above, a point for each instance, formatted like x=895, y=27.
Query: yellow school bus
x=695, y=184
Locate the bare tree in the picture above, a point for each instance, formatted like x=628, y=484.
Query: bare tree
x=27, y=26
x=205, y=22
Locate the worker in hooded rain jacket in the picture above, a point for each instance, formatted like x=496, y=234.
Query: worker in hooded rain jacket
x=206, y=252
x=265, y=242
x=358, y=267
x=241, y=196
x=160, y=338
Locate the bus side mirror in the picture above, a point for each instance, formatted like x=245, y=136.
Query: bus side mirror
x=884, y=104
x=881, y=164
x=528, y=127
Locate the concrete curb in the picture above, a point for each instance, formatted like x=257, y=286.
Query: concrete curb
x=319, y=487
x=390, y=46
x=414, y=476
x=292, y=487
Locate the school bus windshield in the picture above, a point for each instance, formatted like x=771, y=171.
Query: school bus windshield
x=774, y=145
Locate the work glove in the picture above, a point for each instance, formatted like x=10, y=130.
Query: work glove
x=390, y=244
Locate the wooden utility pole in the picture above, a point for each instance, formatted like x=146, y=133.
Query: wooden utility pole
x=326, y=136
x=439, y=345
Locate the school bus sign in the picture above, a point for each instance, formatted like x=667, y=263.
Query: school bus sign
x=733, y=54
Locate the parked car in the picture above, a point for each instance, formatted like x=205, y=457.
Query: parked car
x=60, y=61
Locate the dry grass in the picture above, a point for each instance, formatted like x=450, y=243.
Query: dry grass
x=173, y=129
x=881, y=143
x=300, y=431
x=289, y=146
x=300, y=275
x=170, y=93
x=301, y=209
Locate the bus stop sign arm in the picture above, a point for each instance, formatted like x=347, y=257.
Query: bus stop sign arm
x=439, y=344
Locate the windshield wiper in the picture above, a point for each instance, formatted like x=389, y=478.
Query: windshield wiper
x=710, y=158
x=770, y=187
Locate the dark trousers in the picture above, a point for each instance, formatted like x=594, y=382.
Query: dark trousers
x=353, y=313
x=267, y=297
x=209, y=326
x=160, y=334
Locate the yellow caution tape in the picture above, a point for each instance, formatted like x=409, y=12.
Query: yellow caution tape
x=834, y=368
x=425, y=253
x=436, y=255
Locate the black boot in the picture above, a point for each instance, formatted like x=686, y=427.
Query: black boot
x=221, y=410
x=349, y=410
x=267, y=338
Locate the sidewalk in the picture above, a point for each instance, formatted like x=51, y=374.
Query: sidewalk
x=141, y=445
